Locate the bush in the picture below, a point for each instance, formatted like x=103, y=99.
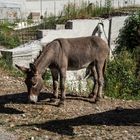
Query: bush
x=86, y=10
x=122, y=73
x=120, y=77
x=8, y=38
x=128, y=35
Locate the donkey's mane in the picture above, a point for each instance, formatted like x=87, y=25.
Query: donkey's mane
x=38, y=55
x=40, y=52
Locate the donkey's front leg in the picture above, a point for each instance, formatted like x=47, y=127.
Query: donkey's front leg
x=55, y=83
x=62, y=85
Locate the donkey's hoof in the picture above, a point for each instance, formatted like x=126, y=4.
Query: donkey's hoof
x=92, y=100
x=52, y=100
x=97, y=99
x=91, y=95
x=61, y=103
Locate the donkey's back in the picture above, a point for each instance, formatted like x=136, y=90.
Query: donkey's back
x=82, y=51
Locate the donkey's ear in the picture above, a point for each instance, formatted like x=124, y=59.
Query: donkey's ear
x=33, y=68
x=23, y=69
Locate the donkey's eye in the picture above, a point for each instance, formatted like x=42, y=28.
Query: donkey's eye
x=34, y=81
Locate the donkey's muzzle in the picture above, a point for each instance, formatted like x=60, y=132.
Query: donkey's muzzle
x=33, y=98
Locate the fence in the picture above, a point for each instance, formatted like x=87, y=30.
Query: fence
x=12, y=35
x=26, y=35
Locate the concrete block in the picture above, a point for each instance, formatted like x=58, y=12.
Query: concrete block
x=6, y=54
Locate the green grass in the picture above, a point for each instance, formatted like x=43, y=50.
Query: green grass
x=5, y=66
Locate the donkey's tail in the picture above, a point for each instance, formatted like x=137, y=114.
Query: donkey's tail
x=88, y=73
x=104, y=67
x=88, y=70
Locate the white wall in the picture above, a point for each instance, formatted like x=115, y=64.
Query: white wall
x=80, y=28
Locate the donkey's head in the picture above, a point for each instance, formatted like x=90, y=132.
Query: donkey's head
x=33, y=81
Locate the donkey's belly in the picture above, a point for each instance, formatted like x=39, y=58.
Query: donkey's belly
x=76, y=65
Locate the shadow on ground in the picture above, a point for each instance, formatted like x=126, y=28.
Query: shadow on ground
x=22, y=98
x=9, y=110
x=17, y=98
x=124, y=117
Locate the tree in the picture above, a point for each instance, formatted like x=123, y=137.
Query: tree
x=128, y=38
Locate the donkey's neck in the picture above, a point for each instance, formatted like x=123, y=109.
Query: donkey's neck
x=43, y=61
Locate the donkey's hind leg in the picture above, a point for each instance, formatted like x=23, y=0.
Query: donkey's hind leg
x=100, y=75
x=93, y=94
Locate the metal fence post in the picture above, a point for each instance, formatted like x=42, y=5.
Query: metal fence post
x=109, y=31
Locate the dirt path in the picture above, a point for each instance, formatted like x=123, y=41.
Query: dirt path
x=4, y=135
x=78, y=119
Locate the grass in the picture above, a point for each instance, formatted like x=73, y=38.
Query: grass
x=5, y=66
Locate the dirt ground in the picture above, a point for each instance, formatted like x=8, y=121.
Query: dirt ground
x=78, y=119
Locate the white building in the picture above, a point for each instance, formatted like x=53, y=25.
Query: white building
x=25, y=7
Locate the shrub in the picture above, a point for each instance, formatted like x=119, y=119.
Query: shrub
x=128, y=35
x=120, y=77
x=72, y=11
x=8, y=37
x=86, y=10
